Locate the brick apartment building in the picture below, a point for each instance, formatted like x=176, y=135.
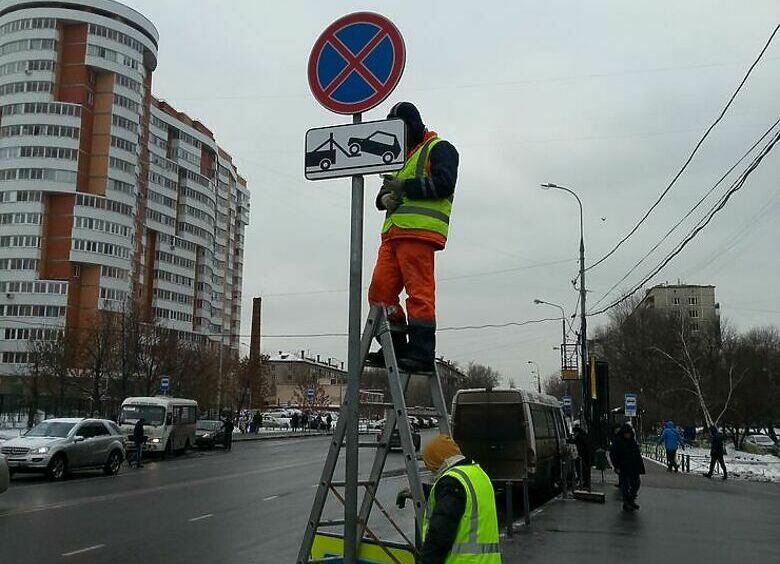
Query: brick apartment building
x=106, y=192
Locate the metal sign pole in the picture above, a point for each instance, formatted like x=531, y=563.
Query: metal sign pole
x=354, y=368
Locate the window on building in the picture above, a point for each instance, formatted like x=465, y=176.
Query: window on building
x=693, y=313
x=693, y=300
x=676, y=301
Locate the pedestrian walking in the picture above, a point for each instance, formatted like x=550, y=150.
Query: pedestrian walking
x=461, y=522
x=627, y=462
x=417, y=201
x=672, y=440
x=305, y=421
x=329, y=422
x=294, y=421
x=717, y=452
x=227, y=441
x=583, y=462
x=138, y=440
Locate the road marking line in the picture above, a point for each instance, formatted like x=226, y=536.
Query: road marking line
x=206, y=516
x=157, y=489
x=270, y=498
x=82, y=550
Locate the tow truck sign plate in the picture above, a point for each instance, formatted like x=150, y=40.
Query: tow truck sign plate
x=371, y=147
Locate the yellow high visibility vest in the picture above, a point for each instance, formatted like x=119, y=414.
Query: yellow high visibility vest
x=477, y=540
x=427, y=215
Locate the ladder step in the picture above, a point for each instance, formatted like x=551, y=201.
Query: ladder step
x=341, y=484
x=369, y=444
x=331, y=523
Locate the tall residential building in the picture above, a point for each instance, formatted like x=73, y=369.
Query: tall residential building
x=694, y=304
x=105, y=191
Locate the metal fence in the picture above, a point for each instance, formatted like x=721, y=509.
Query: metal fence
x=658, y=452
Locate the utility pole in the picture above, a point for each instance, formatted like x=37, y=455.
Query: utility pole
x=583, y=320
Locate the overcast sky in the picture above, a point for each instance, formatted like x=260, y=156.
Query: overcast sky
x=606, y=97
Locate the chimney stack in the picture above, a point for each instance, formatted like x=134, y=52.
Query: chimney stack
x=254, y=343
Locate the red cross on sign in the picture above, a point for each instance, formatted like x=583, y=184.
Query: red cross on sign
x=356, y=63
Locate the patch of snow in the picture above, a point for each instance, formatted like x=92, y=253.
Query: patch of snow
x=739, y=464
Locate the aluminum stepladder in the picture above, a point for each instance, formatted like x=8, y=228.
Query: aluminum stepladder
x=377, y=326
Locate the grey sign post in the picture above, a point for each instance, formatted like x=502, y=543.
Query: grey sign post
x=357, y=78
x=165, y=385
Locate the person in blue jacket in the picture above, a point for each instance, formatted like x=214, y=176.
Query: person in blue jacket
x=671, y=440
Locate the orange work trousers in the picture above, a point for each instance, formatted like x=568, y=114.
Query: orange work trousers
x=405, y=264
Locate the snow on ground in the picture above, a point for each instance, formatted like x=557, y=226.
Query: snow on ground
x=740, y=464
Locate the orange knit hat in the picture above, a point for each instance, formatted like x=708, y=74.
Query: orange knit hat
x=437, y=450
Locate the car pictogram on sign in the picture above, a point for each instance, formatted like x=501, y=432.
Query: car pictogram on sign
x=379, y=143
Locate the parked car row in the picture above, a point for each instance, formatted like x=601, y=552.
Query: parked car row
x=763, y=443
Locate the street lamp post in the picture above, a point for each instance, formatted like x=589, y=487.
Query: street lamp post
x=583, y=321
x=563, y=329
x=538, y=376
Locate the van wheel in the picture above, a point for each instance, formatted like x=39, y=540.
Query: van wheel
x=58, y=467
x=113, y=463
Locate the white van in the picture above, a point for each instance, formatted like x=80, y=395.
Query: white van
x=513, y=434
x=169, y=423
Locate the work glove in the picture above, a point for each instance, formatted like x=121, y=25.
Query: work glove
x=394, y=185
x=391, y=201
x=403, y=495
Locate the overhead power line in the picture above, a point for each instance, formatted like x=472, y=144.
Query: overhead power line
x=692, y=154
x=717, y=207
x=688, y=214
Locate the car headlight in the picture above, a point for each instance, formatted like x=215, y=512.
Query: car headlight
x=155, y=441
x=40, y=450
x=206, y=435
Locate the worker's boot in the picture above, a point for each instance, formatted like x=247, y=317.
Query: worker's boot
x=421, y=350
x=377, y=359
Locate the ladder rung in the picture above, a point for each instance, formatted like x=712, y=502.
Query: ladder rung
x=369, y=444
x=331, y=523
x=341, y=484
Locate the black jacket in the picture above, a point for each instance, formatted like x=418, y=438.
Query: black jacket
x=443, y=160
x=138, y=432
x=444, y=521
x=717, y=448
x=625, y=454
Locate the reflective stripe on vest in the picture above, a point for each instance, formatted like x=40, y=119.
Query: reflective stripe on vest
x=477, y=540
x=427, y=215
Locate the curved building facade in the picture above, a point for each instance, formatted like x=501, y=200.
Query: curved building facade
x=106, y=194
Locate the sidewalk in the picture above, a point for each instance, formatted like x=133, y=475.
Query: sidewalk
x=683, y=518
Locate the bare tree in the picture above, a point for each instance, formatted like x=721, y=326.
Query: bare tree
x=320, y=400
x=98, y=358
x=480, y=376
x=700, y=360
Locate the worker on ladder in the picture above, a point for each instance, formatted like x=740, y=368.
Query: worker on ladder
x=418, y=202
x=461, y=523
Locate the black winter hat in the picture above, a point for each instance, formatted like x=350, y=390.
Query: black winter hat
x=411, y=117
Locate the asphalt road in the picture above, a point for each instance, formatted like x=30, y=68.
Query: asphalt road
x=250, y=506
x=246, y=506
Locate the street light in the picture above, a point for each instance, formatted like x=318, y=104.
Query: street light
x=583, y=321
x=563, y=317
x=538, y=376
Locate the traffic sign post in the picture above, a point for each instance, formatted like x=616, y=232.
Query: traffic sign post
x=354, y=65
x=356, y=62
x=310, y=394
x=165, y=385
x=629, y=405
x=370, y=147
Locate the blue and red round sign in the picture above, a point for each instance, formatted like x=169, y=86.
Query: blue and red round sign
x=356, y=63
